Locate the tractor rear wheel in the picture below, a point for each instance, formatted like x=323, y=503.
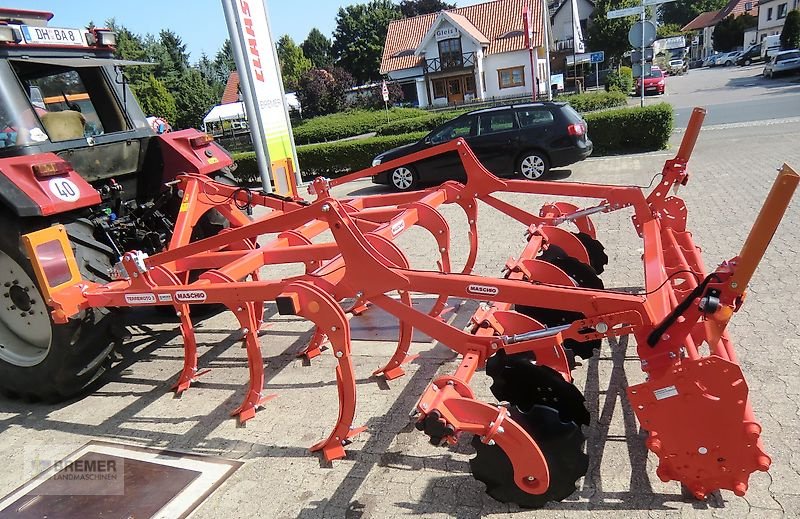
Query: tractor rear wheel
x=41, y=360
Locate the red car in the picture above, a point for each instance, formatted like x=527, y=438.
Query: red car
x=654, y=83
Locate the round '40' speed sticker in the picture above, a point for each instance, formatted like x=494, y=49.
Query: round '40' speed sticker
x=65, y=189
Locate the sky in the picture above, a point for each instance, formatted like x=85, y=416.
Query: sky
x=200, y=23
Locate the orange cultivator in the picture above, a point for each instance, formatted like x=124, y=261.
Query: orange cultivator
x=549, y=307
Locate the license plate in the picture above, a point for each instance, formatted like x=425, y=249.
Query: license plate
x=651, y=88
x=53, y=36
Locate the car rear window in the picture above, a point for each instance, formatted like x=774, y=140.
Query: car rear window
x=571, y=115
x=531, y=117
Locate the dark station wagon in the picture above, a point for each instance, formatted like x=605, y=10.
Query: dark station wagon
x=525, y=140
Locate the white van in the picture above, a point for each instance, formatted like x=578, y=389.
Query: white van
x=770, y=46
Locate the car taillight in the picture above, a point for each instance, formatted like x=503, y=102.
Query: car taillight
x=50, y=169
x=200, y=141
x=576, y=129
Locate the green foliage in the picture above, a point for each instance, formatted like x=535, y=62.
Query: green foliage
x=621, y=81
x=322, y=91
x=422, y=123
x=411, y=8
x=348, y=124
x=790, y=36
x=359, y=37
x=729, y=33
x=626, y=130
x=329, y=159
x=668, y=30
x=610, y=35
x=194, y=97
x=592, y=101
x=155, y=99
x=172, y=88
x=681, y=12
x=318, y=48
x=293, y=62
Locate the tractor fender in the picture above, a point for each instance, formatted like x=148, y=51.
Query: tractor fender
x=27, y=194
x=182, y=153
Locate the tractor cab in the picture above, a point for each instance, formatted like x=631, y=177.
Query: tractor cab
x=64, y=92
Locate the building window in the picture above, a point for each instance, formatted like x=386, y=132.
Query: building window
x=748, y=6
x=511, y=77
x=450, y=53
x=783, y=9
x=439, y=88
x=769, y=13
x=469, y=84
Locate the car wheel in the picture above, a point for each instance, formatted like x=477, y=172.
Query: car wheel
x=404, y=178
x=747, y=62
x=728, y=63
x=533, y=165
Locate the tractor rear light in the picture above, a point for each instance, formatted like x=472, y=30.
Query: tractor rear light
x=10, y=34
x=576, y=130
x=50, y=169
x=103, y=38
x=202, y=140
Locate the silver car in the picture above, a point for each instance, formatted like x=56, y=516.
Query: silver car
x=782, y=62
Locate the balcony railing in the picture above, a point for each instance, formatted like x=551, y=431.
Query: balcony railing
x=567, y=44
x=465, y=60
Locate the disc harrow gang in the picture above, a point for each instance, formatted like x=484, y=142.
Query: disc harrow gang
x=548, y=306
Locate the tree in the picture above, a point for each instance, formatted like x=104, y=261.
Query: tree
x=372, y=98
x=175, y=48
x=193, y=99
x=156, y=100
x=681, y=12
x=224, y=62
x=607, y=35
x=318, y=48
x=411, y=8
x=360, y=35
x=790, y=36
x=729, y=33
x=668, y=30
x=293, y=62
x=322, y=91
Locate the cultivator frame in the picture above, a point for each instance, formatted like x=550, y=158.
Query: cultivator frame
x=549, y=306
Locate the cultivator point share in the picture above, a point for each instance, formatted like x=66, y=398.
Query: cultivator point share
x=548, y=307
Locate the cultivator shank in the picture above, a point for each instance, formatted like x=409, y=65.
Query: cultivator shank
x=549, y=307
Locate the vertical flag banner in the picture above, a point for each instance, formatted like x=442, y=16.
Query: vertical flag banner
x=262, y=88
x=577, y=33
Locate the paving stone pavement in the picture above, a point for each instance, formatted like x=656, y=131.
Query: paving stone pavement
x=391, y=470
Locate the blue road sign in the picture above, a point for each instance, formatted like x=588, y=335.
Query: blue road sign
x=597, y=57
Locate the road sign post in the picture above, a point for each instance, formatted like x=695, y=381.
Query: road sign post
x=597, y=58
x=641, y=11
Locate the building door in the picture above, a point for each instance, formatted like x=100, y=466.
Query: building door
x=455, y=92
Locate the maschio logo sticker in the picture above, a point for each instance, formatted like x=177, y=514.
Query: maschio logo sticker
x=190, y=296
x=398, y=227
x=483, y=290
x=140, y=299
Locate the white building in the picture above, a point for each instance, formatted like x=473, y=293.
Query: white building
x=563, y=22
x=703, y=26
x=470, y=53
x=772, y=14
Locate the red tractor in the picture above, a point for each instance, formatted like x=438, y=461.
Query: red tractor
x=77, y=150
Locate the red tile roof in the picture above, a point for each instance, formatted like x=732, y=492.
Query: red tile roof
x=231, y=93
x=711, y=18
x=702, y=20
x=499, y=21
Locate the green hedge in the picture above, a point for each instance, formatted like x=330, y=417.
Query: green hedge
x=329, y=159
x=348, y=124
x=423, y=123
x=593, y=101
x=627, y=130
